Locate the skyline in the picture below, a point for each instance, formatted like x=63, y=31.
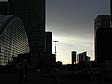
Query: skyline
x=72, y=24
x=52, y=42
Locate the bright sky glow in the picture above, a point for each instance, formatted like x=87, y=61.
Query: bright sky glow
x=72, y=24
x=68, y=44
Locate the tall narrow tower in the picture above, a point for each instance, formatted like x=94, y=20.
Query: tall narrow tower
x=73, y=57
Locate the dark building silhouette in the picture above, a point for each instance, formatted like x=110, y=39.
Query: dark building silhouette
x=82, y=57
x=32, y=12
x=48, y=42
x=13, y=38
x=102, y=21
x=53, y=59
x=49, y=58
x=103, y=45
x=102, y=38
x=3, y=8
x=49, y=61
x=73, y=57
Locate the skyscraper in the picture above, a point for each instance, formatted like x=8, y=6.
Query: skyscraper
x=103, y=43
x=82, y=57
x=49, y=42
x=101, y=21
x=73, y=57
x=32, y=12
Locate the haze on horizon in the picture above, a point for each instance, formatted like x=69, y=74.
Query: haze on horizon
x=72, y=24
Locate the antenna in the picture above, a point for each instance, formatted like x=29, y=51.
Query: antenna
x=55, y=46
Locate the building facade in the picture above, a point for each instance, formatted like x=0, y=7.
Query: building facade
x=3, y=8
x=13, y=38
x=103, y=33
x=32, y=12
x=73, y=57
x=48, y=42
x=82, y=57
x=103, y=45
x=101, y=21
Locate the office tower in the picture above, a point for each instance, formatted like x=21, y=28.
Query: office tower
x=50, y=58
x=73, y=57
x=13, y=38
x=32, y=12
x=46, y=58
x=3, y=8
x=103, y=45
x=53, y=59
x=48, y=42
x=82, y=57
x=101, y=21
x=103, y=34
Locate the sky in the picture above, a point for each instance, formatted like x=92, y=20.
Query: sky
x=72, y=24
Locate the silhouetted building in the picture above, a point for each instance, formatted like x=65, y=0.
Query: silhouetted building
x=50, y=59
x=103, y=33
x=103, y=45
x=53, y=59
x=49, y=42
x=3, y=8
x=82, y=57
x=47, y=60
x=101, y=21
x=73, y=57
x=32, y=12
x=13, y=38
